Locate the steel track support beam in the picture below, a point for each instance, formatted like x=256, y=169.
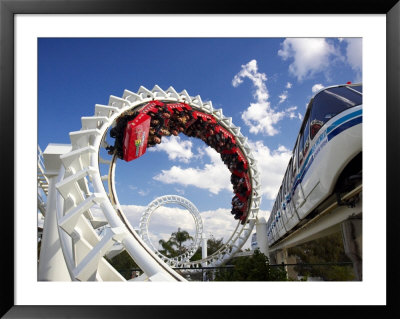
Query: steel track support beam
x=52, y=266
x=320, y=227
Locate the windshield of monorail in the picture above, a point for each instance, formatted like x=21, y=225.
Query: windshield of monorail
x=331, y=102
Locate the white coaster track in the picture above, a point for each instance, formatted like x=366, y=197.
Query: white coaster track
x=81, y=189
x=192, y=209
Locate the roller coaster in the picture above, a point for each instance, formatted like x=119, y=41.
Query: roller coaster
x=321, y=188
x=191, y=208
x=137, y=121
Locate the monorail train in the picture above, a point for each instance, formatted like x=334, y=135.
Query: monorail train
x=326, y=159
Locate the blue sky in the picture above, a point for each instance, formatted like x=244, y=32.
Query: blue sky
x=264, y=84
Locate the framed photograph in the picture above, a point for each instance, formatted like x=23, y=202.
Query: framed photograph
x=101, y=39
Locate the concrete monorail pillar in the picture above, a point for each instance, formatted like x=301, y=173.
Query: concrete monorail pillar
x=352, y=242
x=261, y=231
x=204, y=253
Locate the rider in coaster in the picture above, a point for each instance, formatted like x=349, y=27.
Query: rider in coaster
x=237, y=213
x=241, y=190
x=175, y=124
x=165, y=132
x=165, y=113
x=153, y=140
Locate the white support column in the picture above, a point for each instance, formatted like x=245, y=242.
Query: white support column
x=261, y=230
x=204, y=253
x=52, y=266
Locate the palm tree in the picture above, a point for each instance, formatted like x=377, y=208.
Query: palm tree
x=178, y=238
x=174, y=245
x=168, y=249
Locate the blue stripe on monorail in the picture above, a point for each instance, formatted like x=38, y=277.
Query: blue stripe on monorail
x=344, y=127
x=342, y=120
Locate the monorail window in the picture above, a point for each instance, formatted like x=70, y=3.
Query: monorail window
x=286, y=183
x=329, y=103
x=306, y=134
x=290, y=173
x=295, y=157
x=303, y=148
x=288, y=177
x=356, y=87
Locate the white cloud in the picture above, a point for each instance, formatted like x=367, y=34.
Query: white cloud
x=200, y=153
x=133, y=213
x=289, y=85
x=221, y=224
x=283, y=97
x=144, y=192
x=272, y=166
x=290, y=112
x=317, y=87
x=354, y=53
x=310, y=56
x=291, y=109
x=259, y=116
x=264, y=213
x=218, y=223
x=163, y=221
x=250, y=70
x=176, y=148
x=180, y=191
x=214, y=177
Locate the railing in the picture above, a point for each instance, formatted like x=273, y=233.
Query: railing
x=42, y=182
x=334, y=271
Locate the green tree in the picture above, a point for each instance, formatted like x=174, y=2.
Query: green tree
x=324, y=250
x=178, y=238
x=174, y=246
x=213, y=245
x=168, y=249
x=251, y=268
x=123, y=263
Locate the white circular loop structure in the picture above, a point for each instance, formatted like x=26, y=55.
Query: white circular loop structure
x=82, y=191
x=162, y=201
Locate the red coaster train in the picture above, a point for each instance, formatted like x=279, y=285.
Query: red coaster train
x=137, y=130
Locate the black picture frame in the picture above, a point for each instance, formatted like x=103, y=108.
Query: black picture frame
x=8, y=10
